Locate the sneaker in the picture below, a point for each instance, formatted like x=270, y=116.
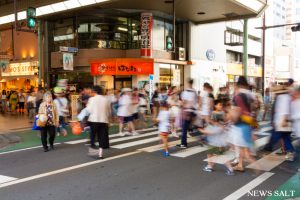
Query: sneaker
x=290, y=157
x=181, y=146
x=121, y=134
x=208, y=169
x=135, y=133
x=58, y=134
x=189, y=135
x=174, y=134
x=128, y=133
x=281, y=153
x=166, y=153
x=230, y=172
x=235, y=162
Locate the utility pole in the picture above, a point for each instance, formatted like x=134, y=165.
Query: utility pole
x=263, y=54
x=174, y=27
x=245, y=48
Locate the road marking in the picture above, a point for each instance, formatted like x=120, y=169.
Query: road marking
x=229, y=155
x=5, y=179
x=190, y=151
x=264, y=123
x=170, y=144
x=77, y=141
x=24, y=149
x=248, y=187
x=118, y=139
x=23, y=180
x=135, y=143
x=222, y=159
x=270, y=161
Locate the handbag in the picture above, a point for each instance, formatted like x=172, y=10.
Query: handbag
x=39, y=122
x=35, y=126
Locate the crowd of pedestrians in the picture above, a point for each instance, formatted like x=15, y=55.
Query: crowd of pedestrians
x=225, y=121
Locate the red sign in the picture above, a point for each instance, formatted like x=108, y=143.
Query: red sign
x=146, y=34
x=122, y=66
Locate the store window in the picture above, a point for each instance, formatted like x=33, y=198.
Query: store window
x=63, y=33
x=170, y=75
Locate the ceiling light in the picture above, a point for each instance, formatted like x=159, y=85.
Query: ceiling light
x=22, y=15
x=46, y=10
x=4, y=20
x=58, y=7
x=122, y=29
x=86, y=2
x=201, y=13
x=255, y=5
x=11, y=17
x=70, y=4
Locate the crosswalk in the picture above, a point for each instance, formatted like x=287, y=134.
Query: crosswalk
x=149, y=142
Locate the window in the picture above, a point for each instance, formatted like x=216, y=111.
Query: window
x=83, y=28
x=298, y=11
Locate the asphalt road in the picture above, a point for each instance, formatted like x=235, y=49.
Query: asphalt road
x=127, y=172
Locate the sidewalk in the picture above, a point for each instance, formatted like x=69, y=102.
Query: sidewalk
x=13, y=122
x=27, y=138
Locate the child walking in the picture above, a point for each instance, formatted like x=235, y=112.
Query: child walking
x=164, y=125
x=216, y=137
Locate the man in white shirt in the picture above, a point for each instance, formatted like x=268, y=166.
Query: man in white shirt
x=189, y=102
x=100, y=110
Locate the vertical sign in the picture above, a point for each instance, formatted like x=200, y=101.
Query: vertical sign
x=146, y=34
x=68, y=61
x=151, y=86
x=176, y=77
x=74, y=106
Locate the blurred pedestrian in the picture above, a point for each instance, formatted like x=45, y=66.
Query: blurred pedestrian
x=30, y=105
x=164, y=125
x=62, y=106
x=99, y=110
x=189, y=101
x=48, y=111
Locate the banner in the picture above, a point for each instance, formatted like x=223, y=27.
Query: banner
x=122, y=66
x=151, y=86
x=176, y=77
x=19, y=69
x=74, y=106
x=68, y=63
x=146, y=34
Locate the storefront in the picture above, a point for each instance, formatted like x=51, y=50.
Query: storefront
x=17, y=76
x=254, y=74
x=121, y=73
x=210, y=72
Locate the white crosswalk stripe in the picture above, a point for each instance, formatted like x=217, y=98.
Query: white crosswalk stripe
x=170, y=144
x=190, y=151
x=135, y=143
x=5, y=179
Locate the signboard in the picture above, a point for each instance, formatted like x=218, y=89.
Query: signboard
x=237, y=70
x=68, y=49
x=181, y=53
x=122, y=66
x=210, y=55
x=74, y=106
x=151, y=86
x=176, y=77
x=68, y=61
x=146, y=34
x=19, y=69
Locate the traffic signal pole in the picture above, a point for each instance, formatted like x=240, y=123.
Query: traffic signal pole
x=245, y=48
x=39, y=54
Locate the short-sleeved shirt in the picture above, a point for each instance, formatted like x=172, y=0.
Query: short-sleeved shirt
x=164, y=121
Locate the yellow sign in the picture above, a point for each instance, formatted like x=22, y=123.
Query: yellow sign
x=237, y=70
x=74, y=106
x=20, y=69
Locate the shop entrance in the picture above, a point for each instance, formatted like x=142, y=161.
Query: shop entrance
x=122, y=82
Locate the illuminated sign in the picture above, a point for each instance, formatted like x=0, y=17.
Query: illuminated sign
x=146, y=34
x=20, y=69
x=122, y=66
